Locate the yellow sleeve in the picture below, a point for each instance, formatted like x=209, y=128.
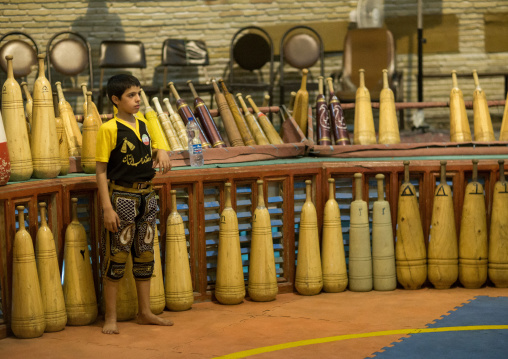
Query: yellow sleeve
x=154, y=143
x=106, y=140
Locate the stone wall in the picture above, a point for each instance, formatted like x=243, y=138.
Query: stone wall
x=216, y=21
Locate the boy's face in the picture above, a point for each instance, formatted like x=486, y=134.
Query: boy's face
x=130, y=100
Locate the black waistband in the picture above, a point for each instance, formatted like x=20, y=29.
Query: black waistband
x=136, y=185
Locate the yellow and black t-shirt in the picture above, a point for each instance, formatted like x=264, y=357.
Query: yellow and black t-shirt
x=127, y=150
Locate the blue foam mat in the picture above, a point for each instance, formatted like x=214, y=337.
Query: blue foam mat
x=484, y=344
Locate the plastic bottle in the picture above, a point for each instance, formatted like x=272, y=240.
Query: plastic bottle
x=195, y=149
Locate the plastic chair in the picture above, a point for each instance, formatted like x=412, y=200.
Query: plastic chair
x=371, y=49
x=251, y=48
x=300, y=47
x=117, y=54
x=70, y=57
x=24, y=54
x=184, y=53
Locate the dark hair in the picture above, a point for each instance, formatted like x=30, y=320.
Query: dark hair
x=118, y=84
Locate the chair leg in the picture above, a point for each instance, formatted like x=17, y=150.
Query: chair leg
x=212, y=93
x=100, y=100
x=55, y=102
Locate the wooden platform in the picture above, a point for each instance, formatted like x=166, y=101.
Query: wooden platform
x=200, y=200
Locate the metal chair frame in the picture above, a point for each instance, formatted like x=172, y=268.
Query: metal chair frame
x=34, y=44
x=282, y=60
x=103, y=64
x=166, y=63
x=269, y=86
x=85, y=43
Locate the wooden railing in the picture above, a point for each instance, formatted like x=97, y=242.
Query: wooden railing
x=200, y=200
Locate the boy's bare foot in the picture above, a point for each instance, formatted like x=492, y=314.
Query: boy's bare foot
x=110, y=327
x=152, y=319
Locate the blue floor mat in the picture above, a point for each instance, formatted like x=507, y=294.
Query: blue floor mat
x=484, y=344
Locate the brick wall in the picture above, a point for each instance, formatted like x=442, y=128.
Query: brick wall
x=217, y=21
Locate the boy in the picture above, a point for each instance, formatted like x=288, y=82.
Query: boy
x=127, y=157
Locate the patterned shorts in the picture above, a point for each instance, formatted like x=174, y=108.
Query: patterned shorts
x=137, y=210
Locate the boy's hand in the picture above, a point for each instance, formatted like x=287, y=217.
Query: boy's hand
x=162, y=161
x=111, y=220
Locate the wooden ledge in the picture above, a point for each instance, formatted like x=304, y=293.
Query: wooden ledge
x=412, y=149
